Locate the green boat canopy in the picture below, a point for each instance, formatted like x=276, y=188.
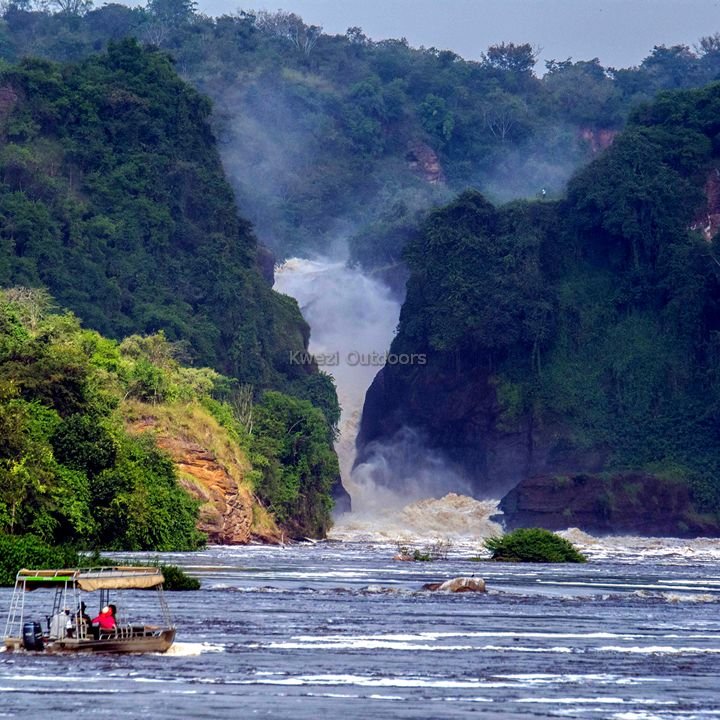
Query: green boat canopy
x=89, y=579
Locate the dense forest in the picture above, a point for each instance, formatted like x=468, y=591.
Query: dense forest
x=113, y=202
x=113, y=197
x=575, y=328
x=334, y=139
x=75, y=469
x=580, y=334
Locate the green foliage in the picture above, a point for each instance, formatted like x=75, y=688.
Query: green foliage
x=28, y=551
x=177, y=579
x=79, y=477
x=113, y=197
x=476, y=279
x=297, y=467
x=595, y=319
x=317, y=126
x=143, y=508
x=533, y=545
x=68, y=470
x=80, y=443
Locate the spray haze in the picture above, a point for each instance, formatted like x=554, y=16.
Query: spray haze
x=398, y=489
x=353, y=319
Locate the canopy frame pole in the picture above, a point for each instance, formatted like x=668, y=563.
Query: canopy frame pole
x=164, y=608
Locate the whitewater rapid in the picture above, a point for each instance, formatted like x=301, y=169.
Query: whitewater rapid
x=342, y=629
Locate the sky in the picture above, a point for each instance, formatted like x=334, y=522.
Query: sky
x=618, y=32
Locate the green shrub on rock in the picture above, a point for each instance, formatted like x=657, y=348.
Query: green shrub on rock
x=533, y=545
x=177, y=579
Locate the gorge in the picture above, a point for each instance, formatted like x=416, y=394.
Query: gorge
x=573, y=335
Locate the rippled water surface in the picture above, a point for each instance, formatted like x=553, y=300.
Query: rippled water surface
x=341, y=630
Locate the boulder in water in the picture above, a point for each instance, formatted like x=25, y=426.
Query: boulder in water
x=458, y=584
x=404, y=557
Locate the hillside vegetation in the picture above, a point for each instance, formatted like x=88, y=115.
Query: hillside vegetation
x=581, y=335
x=336, y=136
x=71, y=472
x=113, y=197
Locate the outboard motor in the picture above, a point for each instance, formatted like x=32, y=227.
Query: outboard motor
x=32, y=636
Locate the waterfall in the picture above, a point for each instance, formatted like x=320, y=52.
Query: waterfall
x=352, y=320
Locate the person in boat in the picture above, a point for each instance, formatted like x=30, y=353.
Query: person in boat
x=82, y=618
x=106, y=619
x=59, y=624
x=82, y=615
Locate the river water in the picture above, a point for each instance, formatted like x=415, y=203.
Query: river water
x=340, y=629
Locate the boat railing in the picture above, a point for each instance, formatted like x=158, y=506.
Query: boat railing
x=127, y=632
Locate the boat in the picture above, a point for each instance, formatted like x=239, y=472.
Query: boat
x=67, y=630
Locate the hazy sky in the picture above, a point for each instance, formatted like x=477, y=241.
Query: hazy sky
x=619, y=32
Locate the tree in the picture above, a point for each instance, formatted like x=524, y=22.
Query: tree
x=670, y=67
x=510, y=57
x=583, y=92
x=32, y=304
x=436, y=118
x=172, y=13
x=290, y=27
x=503, y=114
x=356, y=36
x=709, y=45
x=71, y=7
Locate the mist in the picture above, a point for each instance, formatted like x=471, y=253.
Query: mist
x=400, y=470
x=353, y=319
x=536, y=170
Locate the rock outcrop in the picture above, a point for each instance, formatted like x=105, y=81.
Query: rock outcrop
x=265, y=263
x=707, y=221
x=454, y=406
x=228, y=509
x=598, y=140
x=424, y=161
x=630, y=503
x=458, y=585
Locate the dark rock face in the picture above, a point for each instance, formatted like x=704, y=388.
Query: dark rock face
x=265, y=262
x=453, y=404
x=341, y=498
x=635, y=503
x=546, y=480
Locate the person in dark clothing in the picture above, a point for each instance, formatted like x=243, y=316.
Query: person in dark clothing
x=83, y=619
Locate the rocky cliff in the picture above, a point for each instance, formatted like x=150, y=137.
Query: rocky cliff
x=636, y=503
x=570, y=339
x=454, y=404
x=212, y=469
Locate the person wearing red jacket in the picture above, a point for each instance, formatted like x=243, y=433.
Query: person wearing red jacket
x=105, y=620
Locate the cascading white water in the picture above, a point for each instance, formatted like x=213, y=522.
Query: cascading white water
x=352, y=319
